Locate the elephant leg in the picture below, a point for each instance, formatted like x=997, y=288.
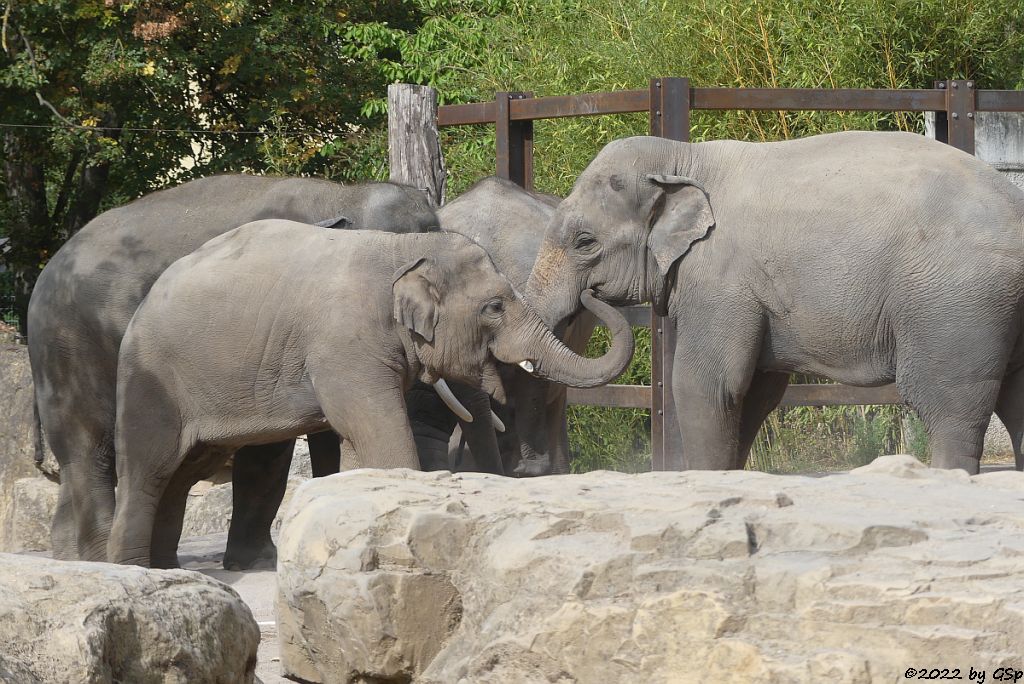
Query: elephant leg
x=63, y=531
x=349, y=458
x=85, y=508
x=376, y=424
x=324, y=453
x=481, y=440
x=141, y=485
x=710, y=379
x=538, y=422
x=558, y=435
x=1010, y=409
x=170, y=513
x=259, y=477
x=432, y=426
x=955, y=405
x=763, y=395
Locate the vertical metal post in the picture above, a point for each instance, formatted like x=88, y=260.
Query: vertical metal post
x=669, y=118
x=513, y=142
x=941, y=118
x=960, y=103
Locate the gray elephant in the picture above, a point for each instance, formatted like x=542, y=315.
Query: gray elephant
x=868, y=258
x=509, y=222
x=236, y=345
x=87, y=294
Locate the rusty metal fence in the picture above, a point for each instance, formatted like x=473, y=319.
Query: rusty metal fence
x=669, y=102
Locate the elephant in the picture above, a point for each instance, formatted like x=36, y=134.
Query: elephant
x=235, y=345
x=87, y=294
x=509, y=222
x=864, y=257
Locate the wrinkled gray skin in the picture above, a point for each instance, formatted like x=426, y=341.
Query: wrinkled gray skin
x=509, y=223
x=87, y=294
x=332, y=336
x=868, y=258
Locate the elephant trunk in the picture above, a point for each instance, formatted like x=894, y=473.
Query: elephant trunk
x=545, y=356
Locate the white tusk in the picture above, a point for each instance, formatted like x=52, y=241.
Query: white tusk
x=496, y=422
x=451, y=402
x=526, y=366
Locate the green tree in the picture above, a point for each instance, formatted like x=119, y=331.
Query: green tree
x=103, y=100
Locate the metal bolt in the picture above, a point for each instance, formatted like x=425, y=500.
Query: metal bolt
x=657, y=84
x=955, y=115
x=659, y=331
x=970, y=84
x=657, y=112
x=661, y=384
x=970, y=115
x=942, y=86
x=660, y=412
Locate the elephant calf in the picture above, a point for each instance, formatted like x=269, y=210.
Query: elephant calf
x=236, y=345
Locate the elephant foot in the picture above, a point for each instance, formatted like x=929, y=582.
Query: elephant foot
x=533, y=467
x=165, y=563
x=258, y=557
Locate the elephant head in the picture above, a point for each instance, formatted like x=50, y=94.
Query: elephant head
x=463, y=316
x=621, y=232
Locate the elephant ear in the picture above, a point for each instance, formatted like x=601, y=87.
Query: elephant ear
x=335, y=222
x=416, y=298
x=681, y=216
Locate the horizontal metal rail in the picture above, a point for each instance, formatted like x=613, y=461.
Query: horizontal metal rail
x=751, y=99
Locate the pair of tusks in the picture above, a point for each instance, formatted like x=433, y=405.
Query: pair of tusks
x=445, y=392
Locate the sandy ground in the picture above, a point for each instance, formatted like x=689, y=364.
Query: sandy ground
x=256, y=587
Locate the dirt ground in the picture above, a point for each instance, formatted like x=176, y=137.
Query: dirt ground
x=256, y=587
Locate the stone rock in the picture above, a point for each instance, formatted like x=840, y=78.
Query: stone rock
x=94, y=622
x=683, y=577
x=19, y=433
x=35, y=500
x=208, y=508
x=997, y=441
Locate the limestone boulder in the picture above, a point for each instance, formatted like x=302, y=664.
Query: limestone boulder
x=20, y=443
x=98, y=623
x=35, y=500
x=658, y=577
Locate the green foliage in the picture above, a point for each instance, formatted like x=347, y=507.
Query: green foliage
x=103, y=100
x=470, y=49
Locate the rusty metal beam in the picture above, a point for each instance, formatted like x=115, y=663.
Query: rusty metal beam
x=827, y=395
x=805, y=99
x=669, y=118
x=588, y=104
x=465, y=114
x=617, y=396
x=513, y=141
x=1000, y=101
x=960, y=114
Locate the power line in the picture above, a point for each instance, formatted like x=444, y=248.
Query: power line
x=130, y=129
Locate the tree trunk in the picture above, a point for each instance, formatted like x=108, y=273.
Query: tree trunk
x=414, y=150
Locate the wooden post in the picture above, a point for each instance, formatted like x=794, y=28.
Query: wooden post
x=414, y=149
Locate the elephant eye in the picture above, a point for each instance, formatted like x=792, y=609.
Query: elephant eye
x=585, y=242
x=495, y=307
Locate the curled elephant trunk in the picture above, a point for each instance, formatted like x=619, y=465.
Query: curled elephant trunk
x=545, y=356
